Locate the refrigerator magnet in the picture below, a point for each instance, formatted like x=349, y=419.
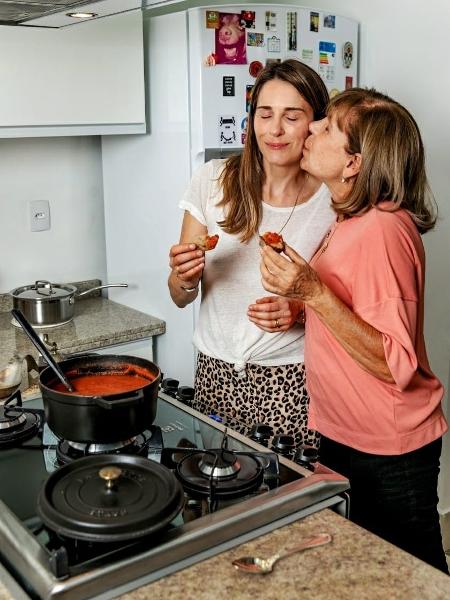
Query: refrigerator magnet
x=347, y=54
x=291, y=30
x=255, y=68
x=314, y=21
x=227, y=130
x=228, y=85
x=212, y=19
x=271, y=20
x=334, y=92
x=248, y=97
x=307, y=55
x=329, y=21
x=348, y=82
x=248, y=19
x=273, y=44
x=255, y=39
x=230, y=40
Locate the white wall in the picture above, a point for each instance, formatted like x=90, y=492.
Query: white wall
x=67, y=173
x=144, y=179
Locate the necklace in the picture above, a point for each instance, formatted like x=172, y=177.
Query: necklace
x=295, y=204
x=328, y=237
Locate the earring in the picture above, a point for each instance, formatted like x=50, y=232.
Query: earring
x=344, y=180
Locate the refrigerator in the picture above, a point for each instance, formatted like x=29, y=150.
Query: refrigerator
x=200, y=67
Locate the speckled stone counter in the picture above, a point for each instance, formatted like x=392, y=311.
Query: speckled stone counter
x=355, y=566
x=97, y=322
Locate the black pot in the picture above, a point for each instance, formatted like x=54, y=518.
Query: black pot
x=100, y=419
x=110, y=498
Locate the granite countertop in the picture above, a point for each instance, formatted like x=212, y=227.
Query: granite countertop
x=357, y=565
x=97, y=322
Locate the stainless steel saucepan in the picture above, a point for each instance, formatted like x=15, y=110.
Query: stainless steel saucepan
x=46, y=304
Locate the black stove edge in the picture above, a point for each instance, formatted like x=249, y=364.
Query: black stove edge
x=291, y=501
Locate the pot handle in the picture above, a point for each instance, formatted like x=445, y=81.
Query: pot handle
x=101, y=287
x=109, y=404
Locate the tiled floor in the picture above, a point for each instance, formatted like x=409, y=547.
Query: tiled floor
x=445, y=529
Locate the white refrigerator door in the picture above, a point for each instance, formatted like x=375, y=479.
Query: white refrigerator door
x=328, y=43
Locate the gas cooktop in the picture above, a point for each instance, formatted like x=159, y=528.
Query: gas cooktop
x=234, y=490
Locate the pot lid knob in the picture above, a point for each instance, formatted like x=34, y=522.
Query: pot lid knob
x=110, y=475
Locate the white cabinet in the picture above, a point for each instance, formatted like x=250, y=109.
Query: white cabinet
x=81, y=80
x=141, y=348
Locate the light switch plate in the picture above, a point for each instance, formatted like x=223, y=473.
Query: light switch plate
x=39, y=215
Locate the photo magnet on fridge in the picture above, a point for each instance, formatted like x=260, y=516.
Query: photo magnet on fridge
x=314, y=21
x=271, y=21
x=348, y=82
x=230, y=40
x=347, y=54
x=329, y=21
x=248, y=97
x=291, y=31
x=212, y=19
x=255, y=39
x=248, y=19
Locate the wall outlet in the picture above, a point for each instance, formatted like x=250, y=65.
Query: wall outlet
x=39, y=215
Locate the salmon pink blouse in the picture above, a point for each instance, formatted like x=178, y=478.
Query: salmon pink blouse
x=375, y=264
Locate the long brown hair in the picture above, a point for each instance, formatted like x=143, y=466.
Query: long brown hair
x=243, y=176
x=392, y=156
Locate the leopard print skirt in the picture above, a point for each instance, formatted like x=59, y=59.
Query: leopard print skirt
x=273, y=395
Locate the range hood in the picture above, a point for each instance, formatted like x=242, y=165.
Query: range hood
x=54, y=13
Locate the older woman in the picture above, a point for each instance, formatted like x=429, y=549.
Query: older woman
x=373, y=396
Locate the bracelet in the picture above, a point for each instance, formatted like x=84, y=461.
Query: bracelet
x=301, y=317
x=191, y=289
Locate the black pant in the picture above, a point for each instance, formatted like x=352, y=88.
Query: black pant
x=395, y=497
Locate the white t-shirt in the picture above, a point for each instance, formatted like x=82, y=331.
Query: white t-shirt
x=232, y=279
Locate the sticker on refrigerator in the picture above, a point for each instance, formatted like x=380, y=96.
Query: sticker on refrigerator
x=212, y=19
x=244, y=130
x=271, y=21
x=248, y=97
x=228, y=85
x=291, y=30
x=230, y=40
x=314, y=21
x=273, y=44
x=307, y=54
x=255, y=39
x=347, y=54
x=255, y=68
x=327, y=60
x=329, y=21
x=348, y=82
x=227, y=130
x=248, y=19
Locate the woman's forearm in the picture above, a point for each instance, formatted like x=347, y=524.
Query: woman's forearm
x=363, y=342
x=178, y=292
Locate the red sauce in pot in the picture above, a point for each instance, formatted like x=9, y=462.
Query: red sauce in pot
x=103, y=384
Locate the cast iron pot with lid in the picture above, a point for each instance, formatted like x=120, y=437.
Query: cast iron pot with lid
x=46, y=304
x=110, y=499
x=113, y=416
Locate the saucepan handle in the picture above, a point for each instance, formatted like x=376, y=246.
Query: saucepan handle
x=109, y=404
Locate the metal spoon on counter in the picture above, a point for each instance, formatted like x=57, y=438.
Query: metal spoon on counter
x=28, y=329
x=253, y=564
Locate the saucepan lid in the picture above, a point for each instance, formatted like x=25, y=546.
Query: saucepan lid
x=110, y=498
x=44, y=291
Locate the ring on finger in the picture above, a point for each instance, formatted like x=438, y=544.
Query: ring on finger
x=277, y=323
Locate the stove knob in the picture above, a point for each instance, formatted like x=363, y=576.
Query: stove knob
x=307, y=456
x=170, y=387
x=185, y=394
x=284, y=445
x=261, y=433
